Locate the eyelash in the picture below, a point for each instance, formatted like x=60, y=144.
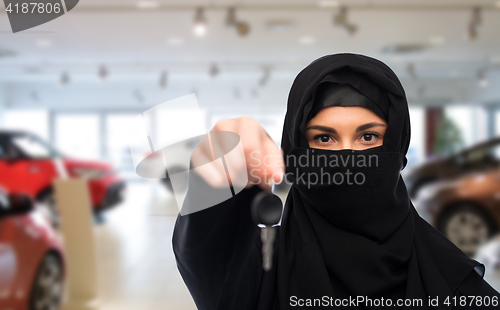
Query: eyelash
x=374, y=134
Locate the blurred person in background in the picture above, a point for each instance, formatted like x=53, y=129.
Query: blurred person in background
x=337, y=240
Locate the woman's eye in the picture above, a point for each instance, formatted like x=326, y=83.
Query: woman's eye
x=323, y=138
x=369, y=137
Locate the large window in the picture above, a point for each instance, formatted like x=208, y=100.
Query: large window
x=33, y=146
x=416, y=151
x=470, y=120
x=117, y=141
x=77, y=135
x=34, y=121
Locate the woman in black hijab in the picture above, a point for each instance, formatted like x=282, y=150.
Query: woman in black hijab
x=349, y=236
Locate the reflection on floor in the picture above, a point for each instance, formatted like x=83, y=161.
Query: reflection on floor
x=137, y=269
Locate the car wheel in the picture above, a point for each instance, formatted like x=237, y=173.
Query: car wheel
x=47, y=288
x=467, y=227
x=48, y=206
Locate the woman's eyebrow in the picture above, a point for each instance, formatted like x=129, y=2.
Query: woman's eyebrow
x=369, y=125
x=322, y=128
x=333, y=131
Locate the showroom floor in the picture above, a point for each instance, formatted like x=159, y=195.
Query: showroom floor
x=137, y=269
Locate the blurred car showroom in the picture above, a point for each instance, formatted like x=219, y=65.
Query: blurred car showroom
x=71, y=88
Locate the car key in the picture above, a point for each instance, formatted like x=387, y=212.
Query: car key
x=266, y=210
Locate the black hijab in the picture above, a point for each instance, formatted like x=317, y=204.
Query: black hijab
x=349, y=228
x=343, y=95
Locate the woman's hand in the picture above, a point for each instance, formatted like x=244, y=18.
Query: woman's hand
x=262, y=163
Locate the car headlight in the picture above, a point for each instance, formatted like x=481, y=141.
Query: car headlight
x=427, y=192
x=432, y=190
x=89, y=173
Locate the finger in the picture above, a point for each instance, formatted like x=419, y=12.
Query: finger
x=204, y=165
x=273, y=161
x=262, y=167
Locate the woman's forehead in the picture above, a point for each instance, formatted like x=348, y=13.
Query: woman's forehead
x=346, y=114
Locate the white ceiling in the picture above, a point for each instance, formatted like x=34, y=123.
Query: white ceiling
x=133, y=43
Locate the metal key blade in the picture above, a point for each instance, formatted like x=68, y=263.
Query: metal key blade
x=266, y=210
x=267, y=236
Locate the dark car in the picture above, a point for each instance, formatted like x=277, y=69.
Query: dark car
x=465, y=209
x=481, y=157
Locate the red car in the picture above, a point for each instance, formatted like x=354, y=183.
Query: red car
x=29, y=165
x=31, y=257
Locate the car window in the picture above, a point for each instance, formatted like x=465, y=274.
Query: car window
x=2, y=151
x=8, y=209
x=487, y=154
x=33, y=146
x=4, y=204
x=493, y=153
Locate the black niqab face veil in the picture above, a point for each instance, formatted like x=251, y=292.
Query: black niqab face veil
x=349, y=228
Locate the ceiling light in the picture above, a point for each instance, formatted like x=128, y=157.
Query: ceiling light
x=200, y=23
x=307, y=40
x=242, y=28
x=213, y=71
x=102, y=74
x=405, y=48
x=175, y=41
x=231, y=17
x=341, y=19
x=147, y=5
x=163, y=79
x=476, y=18
x=410, y=69
x=351, y=29
x=328, y=3
x=64, y=79
x=482, y=79
x=265, y=77
x=471, y=33
x=475, y=22
x=43, y=43
x=138, y=95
